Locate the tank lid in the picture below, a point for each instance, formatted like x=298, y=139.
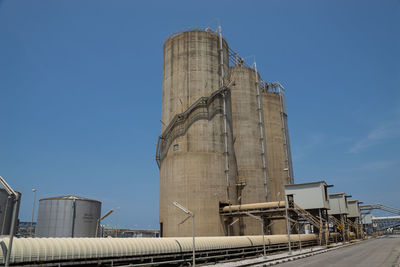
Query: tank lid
x=69, y=197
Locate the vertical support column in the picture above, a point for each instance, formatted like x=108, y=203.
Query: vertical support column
x=16, y=201
x=193, y=241
x=263, y=236
x=298, y=234
x=320, y=227
x=326, y=227
x=288, y=225
x=344, y=228
x=357, y=228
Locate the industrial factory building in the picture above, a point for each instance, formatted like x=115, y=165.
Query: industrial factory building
x=224, y=137
x=225, y=166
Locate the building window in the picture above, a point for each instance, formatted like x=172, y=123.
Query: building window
x=176, y=147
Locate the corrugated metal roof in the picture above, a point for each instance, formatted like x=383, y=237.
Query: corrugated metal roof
x=310, y=183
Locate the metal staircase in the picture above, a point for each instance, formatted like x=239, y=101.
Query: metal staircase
x=202, y=109
x=316, y=222
x=307, y=216
x=335, y=221
x=352, y=224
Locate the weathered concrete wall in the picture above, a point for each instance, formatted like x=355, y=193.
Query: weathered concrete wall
x=191, y=70
x=247, y=143
x=192, y=160
x=192, y=172
x=276, y=154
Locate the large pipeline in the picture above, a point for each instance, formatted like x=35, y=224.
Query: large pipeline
x=85, y=251
x=255, y=206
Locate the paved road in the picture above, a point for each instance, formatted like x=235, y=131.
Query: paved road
x=376, y=252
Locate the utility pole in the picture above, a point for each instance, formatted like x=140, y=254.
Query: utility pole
x=100, y=219
x=33, y=211
x=288, y=224
x=262, y=230
x=116, y=222
x=185, y=210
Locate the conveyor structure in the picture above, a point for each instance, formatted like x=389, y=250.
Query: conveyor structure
x=370, y=207
x=141, y=251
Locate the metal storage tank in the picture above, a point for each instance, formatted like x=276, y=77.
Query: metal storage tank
x=252, y=181
x=196, y=145
x=6, y=210
x=278, y=148
x=67, y=216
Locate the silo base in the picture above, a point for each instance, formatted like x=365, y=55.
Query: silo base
x=278, y=227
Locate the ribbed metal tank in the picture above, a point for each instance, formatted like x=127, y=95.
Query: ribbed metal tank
x=247, y=143
x=192, y=148
x=278, y=152
x=6, y=208
x=67, y=216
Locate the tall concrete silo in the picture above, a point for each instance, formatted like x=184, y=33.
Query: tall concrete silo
x=278, y=148
x=261, y=142
x=249, y=142
x=67, y=216
x=195, y=150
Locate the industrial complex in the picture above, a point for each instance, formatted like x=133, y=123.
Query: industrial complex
x=227, y=186
x=224, y=140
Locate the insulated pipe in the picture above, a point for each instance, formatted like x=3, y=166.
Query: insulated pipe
x=224, y=117
x=57, y=250
x=246, y=207
x=262, y=135
x=221, y=55
x=226, y=147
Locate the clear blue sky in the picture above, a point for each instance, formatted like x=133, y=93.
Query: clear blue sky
x=81, y=84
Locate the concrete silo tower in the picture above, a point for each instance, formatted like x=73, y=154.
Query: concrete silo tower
x=261, y=142
x=280, y=169
x=249, y=142
x=195, y=150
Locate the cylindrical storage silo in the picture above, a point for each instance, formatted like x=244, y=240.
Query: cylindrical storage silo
x=248, y=142
x=67, y=216
x=278, y=152
x=6, y=210
x=192, y=150
x=191, y=70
